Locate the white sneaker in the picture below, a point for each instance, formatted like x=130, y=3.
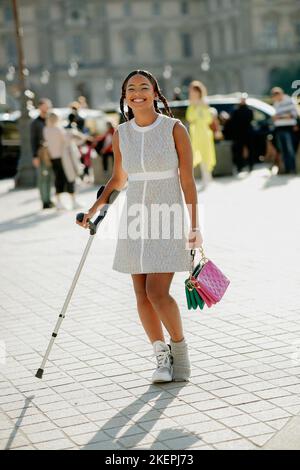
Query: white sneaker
x=164, y=370
x=59, y=206
x=76, y=205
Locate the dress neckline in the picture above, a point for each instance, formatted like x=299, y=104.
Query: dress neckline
x=146, y=128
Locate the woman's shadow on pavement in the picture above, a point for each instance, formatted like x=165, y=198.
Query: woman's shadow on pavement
x=142, y=425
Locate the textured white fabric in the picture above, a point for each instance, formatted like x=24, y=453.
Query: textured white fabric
x=151, y=149
x=152, y=175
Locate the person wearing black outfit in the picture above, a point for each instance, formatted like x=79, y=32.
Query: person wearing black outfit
x=242, y=134
x=75, y=120
x=37, y=139
x=107, y=149
x=1, y=133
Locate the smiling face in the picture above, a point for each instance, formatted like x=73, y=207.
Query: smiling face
x=140, y=93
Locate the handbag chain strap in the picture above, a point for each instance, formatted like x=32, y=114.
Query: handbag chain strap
x=202, y=259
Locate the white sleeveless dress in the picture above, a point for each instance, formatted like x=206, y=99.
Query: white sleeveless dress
x=151, y=242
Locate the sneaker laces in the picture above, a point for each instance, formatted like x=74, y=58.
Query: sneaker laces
x=163, y=358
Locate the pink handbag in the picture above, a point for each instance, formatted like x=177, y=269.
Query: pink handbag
x=209, y=281
x=202, y=294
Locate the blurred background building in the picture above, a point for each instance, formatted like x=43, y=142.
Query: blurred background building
x=86, y=48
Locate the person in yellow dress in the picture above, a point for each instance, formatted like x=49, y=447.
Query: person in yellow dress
x=200, y=119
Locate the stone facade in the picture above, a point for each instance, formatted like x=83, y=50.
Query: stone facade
x=244, y=39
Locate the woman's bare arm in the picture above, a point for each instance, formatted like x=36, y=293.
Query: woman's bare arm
x=186, y=170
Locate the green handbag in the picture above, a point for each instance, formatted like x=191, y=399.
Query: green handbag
x=193, y=298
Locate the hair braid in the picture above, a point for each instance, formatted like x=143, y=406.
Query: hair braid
x=156, y=107
x=122, y=108
x=166, y=105
x=130, y=114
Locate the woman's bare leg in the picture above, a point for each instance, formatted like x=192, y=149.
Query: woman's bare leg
x=149, y=318
x=157, y=289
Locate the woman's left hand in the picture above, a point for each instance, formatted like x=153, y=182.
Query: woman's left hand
x=195, y=240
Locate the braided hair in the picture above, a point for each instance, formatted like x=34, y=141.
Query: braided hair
x=129, y=115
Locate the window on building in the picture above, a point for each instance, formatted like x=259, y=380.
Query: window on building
x=187, y=47
x=129, y=43
x=209, y=42
x=156, y=8
x=8, y=13
x=222, y=41
x=184, y=7
x=102, y=8
x=76, y=47
x=297, y=33
x=212, y=5
x=270, y=34
x=127, y=8
x=158, y=44
x=235, y=35
x=220, y=4
x=11, y=50
x=75, y=15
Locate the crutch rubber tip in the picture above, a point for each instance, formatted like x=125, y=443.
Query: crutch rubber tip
x=40, y=373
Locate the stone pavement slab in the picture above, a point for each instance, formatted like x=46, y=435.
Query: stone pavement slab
x=288, y=438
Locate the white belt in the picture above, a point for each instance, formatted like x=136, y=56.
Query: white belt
x=153, y=175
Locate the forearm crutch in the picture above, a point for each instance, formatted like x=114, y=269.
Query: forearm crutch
x=93, y=229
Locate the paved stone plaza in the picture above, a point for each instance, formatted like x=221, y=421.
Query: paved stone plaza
x=96, y=392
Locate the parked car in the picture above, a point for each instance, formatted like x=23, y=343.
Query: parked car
x=262, y=122
x=10, y=139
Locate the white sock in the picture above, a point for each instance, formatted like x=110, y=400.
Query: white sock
x=181, y=361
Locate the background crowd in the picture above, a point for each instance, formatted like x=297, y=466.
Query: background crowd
x=64, y=152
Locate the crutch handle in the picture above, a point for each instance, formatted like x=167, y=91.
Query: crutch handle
x=80, y=215
x=93, y=225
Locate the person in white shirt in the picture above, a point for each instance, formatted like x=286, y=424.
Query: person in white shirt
x=285, y=121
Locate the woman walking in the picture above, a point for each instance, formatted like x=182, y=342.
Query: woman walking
x=201, y=122
x=149, y=149
x=64, y=159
